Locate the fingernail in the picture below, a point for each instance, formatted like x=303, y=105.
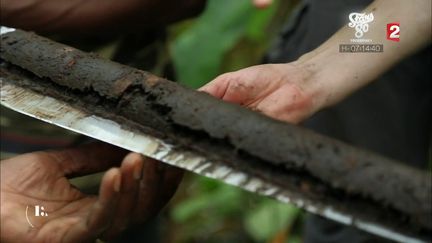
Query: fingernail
x=138, y=170
x=117, y=183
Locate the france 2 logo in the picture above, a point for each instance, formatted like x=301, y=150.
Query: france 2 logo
x=393, y=31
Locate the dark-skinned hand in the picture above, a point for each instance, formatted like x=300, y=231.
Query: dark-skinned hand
x=130, y=194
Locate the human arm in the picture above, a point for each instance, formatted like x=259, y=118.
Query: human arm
x=65, y=16
x=129, y=194
x=321, y=78
x=344, y=73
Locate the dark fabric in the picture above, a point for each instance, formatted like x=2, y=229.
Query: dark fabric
x=391, y=116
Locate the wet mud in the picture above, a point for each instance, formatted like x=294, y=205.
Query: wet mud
x=287, y=155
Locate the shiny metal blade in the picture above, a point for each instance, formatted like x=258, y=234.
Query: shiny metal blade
x=61, y=114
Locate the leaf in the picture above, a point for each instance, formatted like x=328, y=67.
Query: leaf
x=223, y=199
x=258, y=23
x=270, y=218
x=198, y=51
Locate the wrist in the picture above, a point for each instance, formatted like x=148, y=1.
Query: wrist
x=329, y=76
x=313, y=81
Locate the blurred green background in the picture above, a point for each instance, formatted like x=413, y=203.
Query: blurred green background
x=228, y=36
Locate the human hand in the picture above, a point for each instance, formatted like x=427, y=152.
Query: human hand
x=283, y=91
x=325, y=76
x=129, y=194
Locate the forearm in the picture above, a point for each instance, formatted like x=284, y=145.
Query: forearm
x=76, y=16
x=335, y=75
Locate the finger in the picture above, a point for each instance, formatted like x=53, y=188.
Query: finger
x=217, y=87
x=101, y=213
x=171, y=181
x=262, y=3
x=87, y=159
x=157, y=186
x=131, y=170
x=230, y=87
x=149, y=189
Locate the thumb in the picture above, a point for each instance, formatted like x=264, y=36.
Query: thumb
x=87, y=159
x=217, y=87
x=231, y=87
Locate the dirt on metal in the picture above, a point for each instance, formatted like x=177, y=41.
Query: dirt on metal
x=288, y=155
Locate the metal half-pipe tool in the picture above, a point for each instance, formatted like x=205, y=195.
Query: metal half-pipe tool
x=141, y=112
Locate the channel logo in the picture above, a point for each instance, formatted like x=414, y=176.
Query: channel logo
x=393, y=31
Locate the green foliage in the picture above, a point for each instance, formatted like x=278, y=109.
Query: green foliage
x=269, y=218
x=199, y=51
x=211, y=206
x=229, y=35
x=222, y=198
